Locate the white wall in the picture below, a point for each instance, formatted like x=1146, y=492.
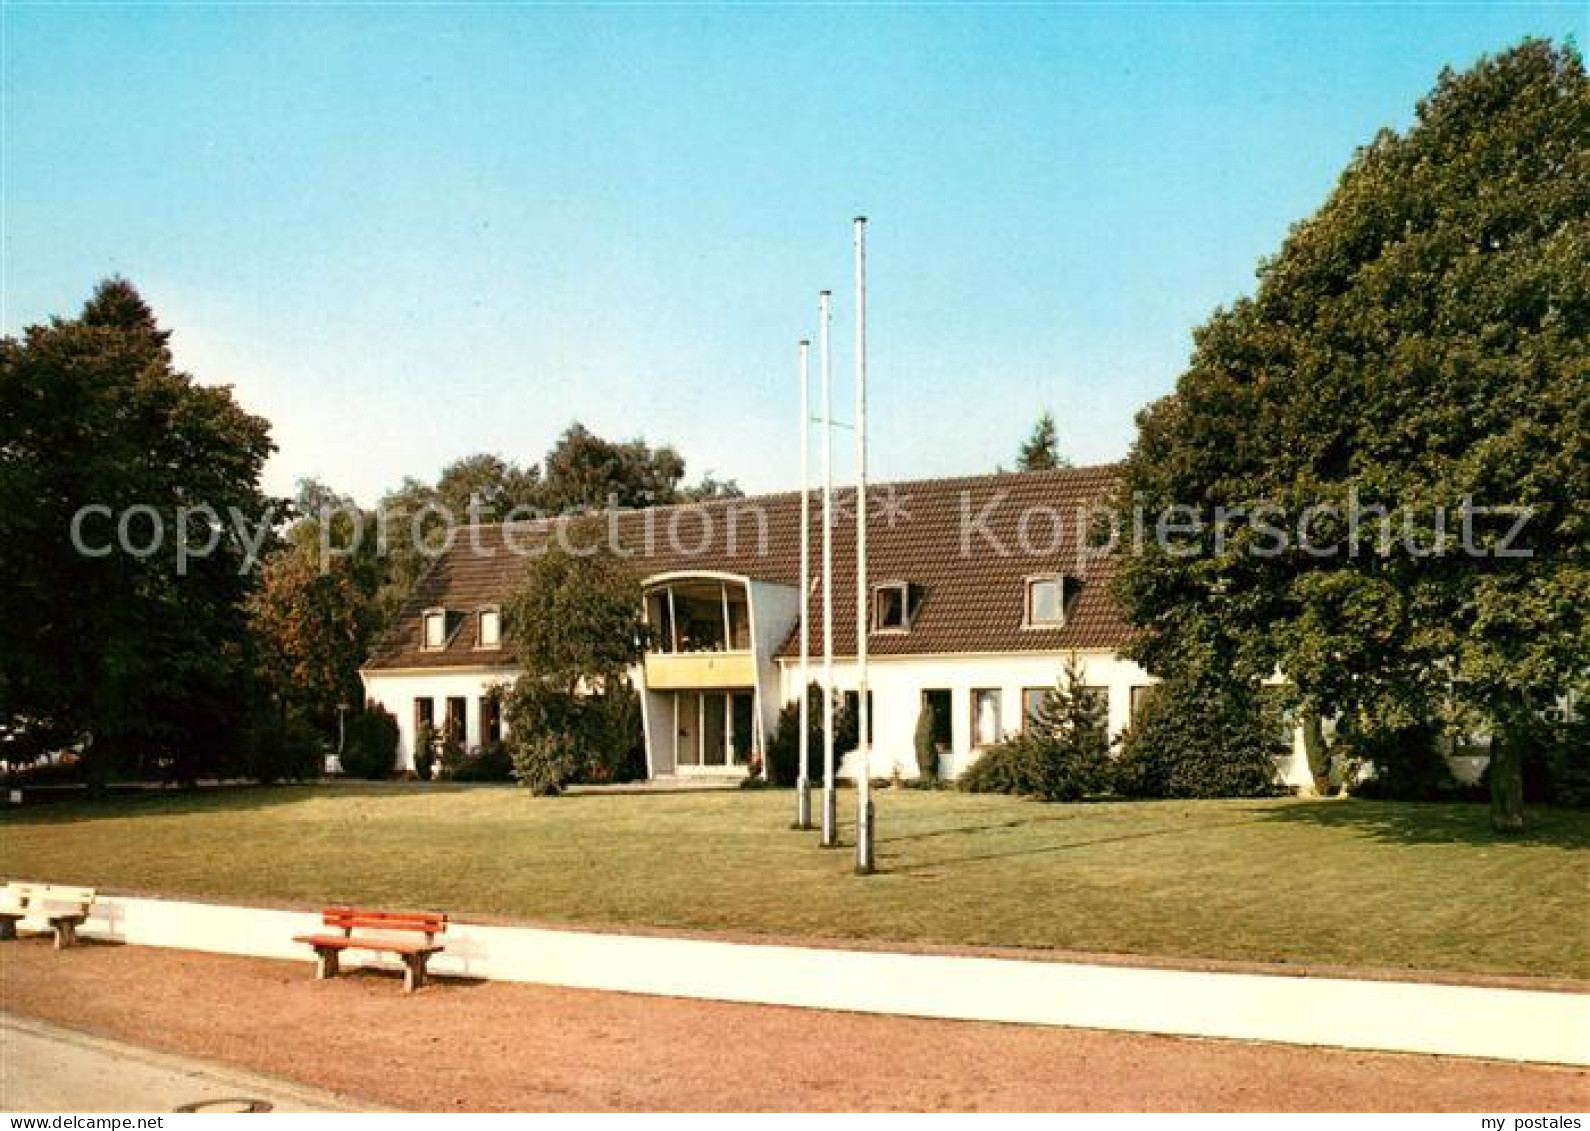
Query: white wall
x=1512, y=1024
x=775, y=609
x=897, y=684
x=397, y=690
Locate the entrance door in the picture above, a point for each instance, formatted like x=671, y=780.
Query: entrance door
x=714, y=729
x=687, y=729
x=742, y=715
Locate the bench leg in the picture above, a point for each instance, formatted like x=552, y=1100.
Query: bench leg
x=65, y=932
x=414, y=971
x=326, y=963
x=8, y=928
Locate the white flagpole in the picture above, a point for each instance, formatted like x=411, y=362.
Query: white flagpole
x=864, y=825
x=830, y=811
x=803, y=784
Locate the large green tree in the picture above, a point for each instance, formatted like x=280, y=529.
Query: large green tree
x=576, y=622
x=316, y=610
x=583, y=472
x=138, y=651
x=1419, y=345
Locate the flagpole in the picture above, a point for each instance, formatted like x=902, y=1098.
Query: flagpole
x=864, y=814
x=830, y=801
x=803, y=784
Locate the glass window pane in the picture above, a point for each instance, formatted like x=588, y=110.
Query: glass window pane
x=985, y=717
x=1043, y=602
x=1031, y=703
x=687, y=738
x=739, y=622
x=714, y=732
x=889, y=603
x=659, y=618
x=699, y=609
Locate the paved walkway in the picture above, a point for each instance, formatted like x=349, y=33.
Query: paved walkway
x=494, y=1046
x=44, y=1068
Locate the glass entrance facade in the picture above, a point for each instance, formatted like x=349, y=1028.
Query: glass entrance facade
x=713, y=730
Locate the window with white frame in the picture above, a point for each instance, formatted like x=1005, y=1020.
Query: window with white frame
x=435, y=629
x=1046, y=604
x=490, y=633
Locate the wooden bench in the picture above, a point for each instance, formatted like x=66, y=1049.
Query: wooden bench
x=63, y=908
x=414, y=952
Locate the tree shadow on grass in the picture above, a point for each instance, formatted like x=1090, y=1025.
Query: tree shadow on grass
x=1056, y=847
x=1434, y=822
x=974, y=829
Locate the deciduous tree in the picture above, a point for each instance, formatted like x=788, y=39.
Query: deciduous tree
x=1420, y=344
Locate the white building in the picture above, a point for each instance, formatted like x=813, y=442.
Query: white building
x=982, y=589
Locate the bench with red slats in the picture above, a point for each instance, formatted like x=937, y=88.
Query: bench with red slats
x=414, y=952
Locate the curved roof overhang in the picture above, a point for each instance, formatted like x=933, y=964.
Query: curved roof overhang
x=676, y=575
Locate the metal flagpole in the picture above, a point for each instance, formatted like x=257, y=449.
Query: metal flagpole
x=864, y=824
x=830, y=811
x=803, y=784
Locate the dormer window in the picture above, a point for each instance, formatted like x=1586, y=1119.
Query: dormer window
x=1046, y=602
x=893, y=606
x=435, y=629
x=490, y=628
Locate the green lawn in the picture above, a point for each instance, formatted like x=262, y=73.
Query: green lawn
x=1354, y=882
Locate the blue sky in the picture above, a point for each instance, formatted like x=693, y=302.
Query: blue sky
x=408, y=233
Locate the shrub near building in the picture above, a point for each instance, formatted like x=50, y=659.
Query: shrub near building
x=372, y=743
x=1200, y=737
x=1061, y=755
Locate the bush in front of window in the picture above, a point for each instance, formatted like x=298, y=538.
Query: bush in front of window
x=489, y=763
x=1063, y=754
x=1200, y=737
x=927, y=750
x=425, y=744
x=450, y=756
x=783, y=749
x=273, y=748
x=557, y=737
x=545, y=763
x=1405, y=763
x=371, y=744
x=1557, y=763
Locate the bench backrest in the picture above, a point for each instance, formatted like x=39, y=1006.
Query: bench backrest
x=30, y=894
x=348, y=919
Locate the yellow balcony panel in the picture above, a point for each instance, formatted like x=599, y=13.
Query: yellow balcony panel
x=683, y=671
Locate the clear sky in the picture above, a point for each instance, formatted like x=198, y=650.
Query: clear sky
x=406, y=233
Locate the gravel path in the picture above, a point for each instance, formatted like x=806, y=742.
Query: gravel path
x=494, y=1046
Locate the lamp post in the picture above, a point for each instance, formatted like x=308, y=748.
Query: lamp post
x=334, y=763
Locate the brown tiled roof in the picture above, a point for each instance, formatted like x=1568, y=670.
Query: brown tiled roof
x=964, y=542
